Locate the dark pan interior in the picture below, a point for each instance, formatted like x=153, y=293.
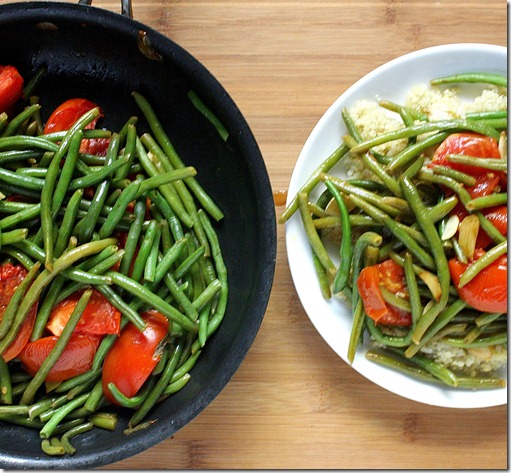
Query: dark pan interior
x=91, y=53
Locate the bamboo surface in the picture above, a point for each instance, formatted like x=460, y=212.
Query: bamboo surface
x=294, y=404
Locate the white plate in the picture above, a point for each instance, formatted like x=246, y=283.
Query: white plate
x=332, y=318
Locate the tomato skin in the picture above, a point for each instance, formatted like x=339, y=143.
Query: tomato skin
x=67, y=113
x=487, y=292
x=467, y=143
x=11, y=87
x=11, y=277
x=99, y=317
x=390, y=275
x=64, y=117
x=498, y=217
x=133, y=356
x=76, y=358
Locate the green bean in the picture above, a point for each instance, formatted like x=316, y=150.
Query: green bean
x=314, y=239
x=343, y=271
x=145, y=295
x=481, y=263
x=324, y=282
x=416, y=130
x=100, y=195
x=133, y=236
x=52, y=448
x=50, y=426
x=66, y=438
x=47, y=193
x=165, y=208
x=188, y=262
x=486, y=318
x=68, y=221
x=96, y=177
x=483, y=341
x=5, y=383
x=314, y=179
x=168, y=191
x=23, y=215
x=487, y=201
x=176, y=385
x=135, y=401
x=45, y=277
x=152, y=258
x=21, y=180
x=10, y=311
x=123, y=307
x=169, y=258
x=180, y=297
x=23, y=142
x=492, y=164
x=429, y=230
x=394, y=107
x=162, y=138
x=459, y=176
x=127, y=196
x=66, y=174
x=371, y=197
x=145, y=249
x=57, y=350
x=129, y=151
x=434, y=328
x=221, y=269
x=378, y=170
x=472, y=77
x=164, y=166
x=161, y=384
x=399, y=230
x=206, y=111
x=366, y=240
x=14, y=125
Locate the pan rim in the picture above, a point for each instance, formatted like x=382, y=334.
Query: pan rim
x=268, y=245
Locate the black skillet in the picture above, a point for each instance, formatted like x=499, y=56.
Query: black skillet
x=103, y=56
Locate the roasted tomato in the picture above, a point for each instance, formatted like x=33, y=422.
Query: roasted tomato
x=66, y=114
x=487, y=292
x=391, y=276
x=10, y=278
x=11, y=87
x=498, y=217
x=76, y=358
x=467, y=143
x=134, y=355
x=471, y=144
x=99, y=317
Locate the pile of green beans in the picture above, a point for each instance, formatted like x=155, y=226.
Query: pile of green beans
x=65, y=231
x=401, y=213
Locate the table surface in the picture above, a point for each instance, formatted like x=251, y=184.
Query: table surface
x=293, y=403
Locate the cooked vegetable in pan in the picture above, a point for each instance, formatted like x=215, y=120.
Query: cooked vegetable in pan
x=112, y=277
x=414, y=235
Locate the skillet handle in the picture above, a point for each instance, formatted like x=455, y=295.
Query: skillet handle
x=126, y=8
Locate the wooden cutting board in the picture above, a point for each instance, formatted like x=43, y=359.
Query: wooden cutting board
x=294, y=403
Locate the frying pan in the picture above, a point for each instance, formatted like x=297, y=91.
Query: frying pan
x=104, y=56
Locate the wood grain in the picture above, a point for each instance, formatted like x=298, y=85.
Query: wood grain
x=294, y=404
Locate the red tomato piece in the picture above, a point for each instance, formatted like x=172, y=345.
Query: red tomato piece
x=391, y=276
x=64, y=117
x=487, y=292
x=467, y=143
x=10, y=278
x=99, y=317
x=134, y=355
x=76, y=358
x=11, y=87
x=498, y=217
